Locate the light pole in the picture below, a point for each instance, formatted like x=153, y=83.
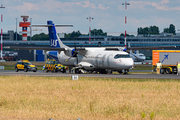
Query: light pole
x=16, y=30
x=1, y=34
x=90, y=28
x=125, y=22
x=30, y=29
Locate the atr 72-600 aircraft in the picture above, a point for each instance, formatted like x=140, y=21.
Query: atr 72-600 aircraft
x=89, y=59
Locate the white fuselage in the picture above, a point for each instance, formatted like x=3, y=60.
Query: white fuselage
x=95, y=59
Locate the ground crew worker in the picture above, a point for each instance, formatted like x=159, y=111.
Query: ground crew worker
x=178, y=68
x=63, y=66
x=64, y=70
x=158, y=67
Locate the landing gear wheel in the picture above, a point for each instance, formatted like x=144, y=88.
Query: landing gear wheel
x=46, y=70
x=77, y=71
x=109, y=71
x=16, y=69
x=53, y=70
x=168, y=71
x=120, y=72
x=162, y=71
x=25, y=69
x=125, y=72
x=35, y=70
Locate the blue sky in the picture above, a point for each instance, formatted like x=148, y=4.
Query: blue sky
x=108, y=15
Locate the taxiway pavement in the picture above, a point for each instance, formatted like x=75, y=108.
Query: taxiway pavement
x=50, y=74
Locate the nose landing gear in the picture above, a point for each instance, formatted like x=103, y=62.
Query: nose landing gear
x=123, y=71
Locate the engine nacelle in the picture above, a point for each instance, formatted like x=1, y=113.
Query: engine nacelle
x=86, y=66
x=68, y=52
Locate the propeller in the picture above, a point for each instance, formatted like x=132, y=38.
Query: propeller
x=74, y=53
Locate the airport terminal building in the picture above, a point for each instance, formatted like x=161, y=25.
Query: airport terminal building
x=164, y=39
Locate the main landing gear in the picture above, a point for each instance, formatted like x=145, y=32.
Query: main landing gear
x=123, y=72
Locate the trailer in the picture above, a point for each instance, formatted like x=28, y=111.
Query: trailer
x=168, y=58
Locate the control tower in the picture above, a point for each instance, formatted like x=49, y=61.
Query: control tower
x=24, y=26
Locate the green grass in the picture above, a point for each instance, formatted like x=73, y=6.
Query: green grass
x=142, y=67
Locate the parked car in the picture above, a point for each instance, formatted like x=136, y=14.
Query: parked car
x=25, y=65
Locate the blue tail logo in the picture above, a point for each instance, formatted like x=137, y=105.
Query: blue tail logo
x=165, y=57
x=54, y=43
x=52, y=35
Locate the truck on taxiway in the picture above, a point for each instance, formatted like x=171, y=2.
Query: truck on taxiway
x=168, y=58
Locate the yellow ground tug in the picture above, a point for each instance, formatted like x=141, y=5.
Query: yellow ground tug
x=54, y=66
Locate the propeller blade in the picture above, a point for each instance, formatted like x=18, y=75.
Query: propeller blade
x=77, y=61
x=75, y=45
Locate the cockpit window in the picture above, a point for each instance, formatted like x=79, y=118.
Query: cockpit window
x=121, y=56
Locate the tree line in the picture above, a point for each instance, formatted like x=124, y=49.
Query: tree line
x=99, y=32
x=74, y=34
x=155, y=30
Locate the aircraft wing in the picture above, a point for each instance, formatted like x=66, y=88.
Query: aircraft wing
x=82, y=51
x=115, y=49
x=34, y=48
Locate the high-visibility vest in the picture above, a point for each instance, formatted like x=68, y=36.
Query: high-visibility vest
x=178, y=65
x=159, y=65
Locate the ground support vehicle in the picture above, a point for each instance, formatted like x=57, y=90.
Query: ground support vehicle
x=25, y=65
x=168, y=58
x=53, y=66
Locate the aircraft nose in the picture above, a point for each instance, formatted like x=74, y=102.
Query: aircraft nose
x=129, y=63
x=142, y=58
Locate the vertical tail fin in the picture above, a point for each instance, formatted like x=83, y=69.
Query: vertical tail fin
x=53, y=37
